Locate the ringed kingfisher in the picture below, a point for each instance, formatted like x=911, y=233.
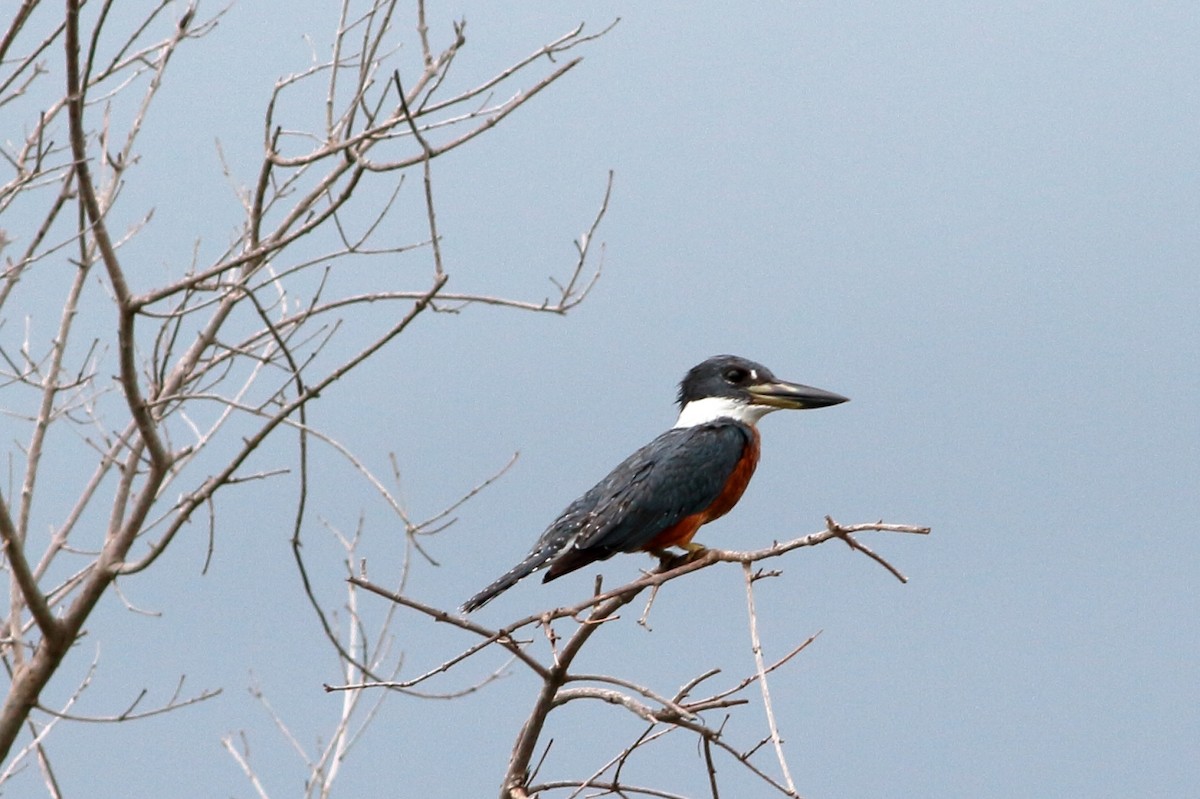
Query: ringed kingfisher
x=660, y=495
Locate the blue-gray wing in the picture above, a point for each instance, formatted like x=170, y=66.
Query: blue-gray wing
x=678, y=474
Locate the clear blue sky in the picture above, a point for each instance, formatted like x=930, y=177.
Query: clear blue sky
x=980, y=221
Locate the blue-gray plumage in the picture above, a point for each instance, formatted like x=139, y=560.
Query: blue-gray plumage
x=660, y=495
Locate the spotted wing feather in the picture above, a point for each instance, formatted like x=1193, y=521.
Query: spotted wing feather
x=679, y=474
x=676, y=475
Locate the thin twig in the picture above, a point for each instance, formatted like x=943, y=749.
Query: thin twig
x=761, y=671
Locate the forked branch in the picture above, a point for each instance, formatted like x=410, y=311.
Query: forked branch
x=558, y=682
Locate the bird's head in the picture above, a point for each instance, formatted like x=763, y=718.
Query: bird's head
x=727, y=386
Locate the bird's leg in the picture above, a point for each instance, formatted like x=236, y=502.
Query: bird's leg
x=668, y=560
x=691, y=551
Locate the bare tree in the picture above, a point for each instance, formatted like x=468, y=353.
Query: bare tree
x=173, y=384
x=694, y=709
x=167, y=386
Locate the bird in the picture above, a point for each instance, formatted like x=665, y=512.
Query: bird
x=663, y=493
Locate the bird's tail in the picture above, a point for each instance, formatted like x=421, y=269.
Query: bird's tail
x=532, y=562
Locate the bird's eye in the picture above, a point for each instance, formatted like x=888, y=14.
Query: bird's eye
x=736, y=375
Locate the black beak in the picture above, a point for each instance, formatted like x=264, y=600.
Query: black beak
x=794, y=396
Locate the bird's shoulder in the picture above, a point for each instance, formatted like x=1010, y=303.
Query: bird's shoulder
x=717, y=442
x=699, y=458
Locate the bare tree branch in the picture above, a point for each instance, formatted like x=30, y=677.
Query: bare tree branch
x=212, y=359
x=560, y=686
x=760, y=670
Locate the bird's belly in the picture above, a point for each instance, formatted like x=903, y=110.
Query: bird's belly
x=682, y=531
x=677, y=534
